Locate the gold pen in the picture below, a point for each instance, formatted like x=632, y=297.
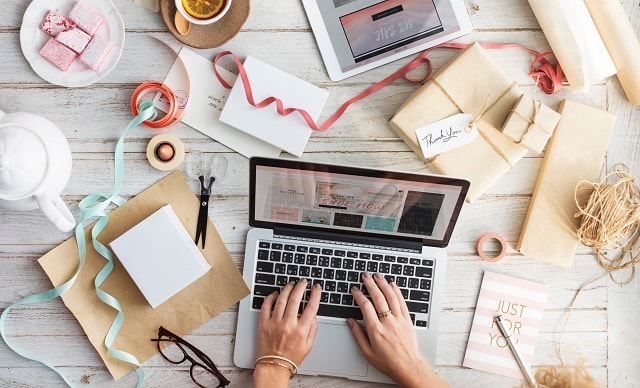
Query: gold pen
x=516, y=353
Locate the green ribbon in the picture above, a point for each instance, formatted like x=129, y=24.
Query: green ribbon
x=94, y=205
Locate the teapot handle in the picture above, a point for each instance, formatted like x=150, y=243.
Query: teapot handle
x=57, y=212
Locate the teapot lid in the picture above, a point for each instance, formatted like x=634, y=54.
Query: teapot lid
x=23, y=161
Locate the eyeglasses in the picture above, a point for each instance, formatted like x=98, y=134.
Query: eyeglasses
x=203, y=371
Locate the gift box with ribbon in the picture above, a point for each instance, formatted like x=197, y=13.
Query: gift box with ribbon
x=531, y=123
x=470, y=83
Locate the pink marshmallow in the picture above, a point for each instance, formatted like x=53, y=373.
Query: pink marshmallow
x=86, y=17
x=96, y=52
x=75, y=39
x=58, y=54
x=54, y=23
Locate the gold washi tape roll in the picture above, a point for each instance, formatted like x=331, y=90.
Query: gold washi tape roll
x=165, y=152
x=494, y=257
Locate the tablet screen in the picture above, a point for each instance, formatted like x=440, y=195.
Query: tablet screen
x=356, y=35
x=386, y=26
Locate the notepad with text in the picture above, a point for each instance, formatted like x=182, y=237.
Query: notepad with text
x=521, y=303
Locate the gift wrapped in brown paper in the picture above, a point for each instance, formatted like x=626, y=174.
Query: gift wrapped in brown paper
x=575, y=153
x=531, y=123
x=470, y=83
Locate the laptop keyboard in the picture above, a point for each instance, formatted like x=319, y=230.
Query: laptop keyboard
x=337, y=271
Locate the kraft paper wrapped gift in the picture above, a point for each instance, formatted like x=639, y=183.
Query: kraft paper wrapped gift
x=576, y=152
x=531, y=123
x=469, y=83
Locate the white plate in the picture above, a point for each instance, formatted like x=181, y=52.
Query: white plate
x=32, y=39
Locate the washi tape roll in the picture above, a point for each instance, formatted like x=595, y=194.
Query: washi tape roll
x=165, y=152
x=491, y=258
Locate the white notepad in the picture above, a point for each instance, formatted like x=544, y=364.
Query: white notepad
x=160, y=256
x=290, y=133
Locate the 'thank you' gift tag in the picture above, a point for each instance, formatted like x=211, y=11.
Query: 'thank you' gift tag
x=446, y=134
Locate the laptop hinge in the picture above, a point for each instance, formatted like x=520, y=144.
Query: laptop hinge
x=349, y=239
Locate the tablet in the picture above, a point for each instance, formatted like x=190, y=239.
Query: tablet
x=357, y=35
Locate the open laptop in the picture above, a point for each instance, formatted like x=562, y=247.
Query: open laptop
x=329, y=223
x=357, y=35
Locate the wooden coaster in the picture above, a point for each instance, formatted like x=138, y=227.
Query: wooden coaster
x=210, y=35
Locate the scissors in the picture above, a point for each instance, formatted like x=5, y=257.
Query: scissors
x=196, y=170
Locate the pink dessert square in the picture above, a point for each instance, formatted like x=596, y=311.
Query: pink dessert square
x=54, y=23
x=96, y=52
x=75, y=39
x=86, y=17
x=58, y=54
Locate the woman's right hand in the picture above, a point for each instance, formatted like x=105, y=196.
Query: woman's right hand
x=389, y=341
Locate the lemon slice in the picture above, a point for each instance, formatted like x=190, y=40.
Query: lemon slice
x=203, y=9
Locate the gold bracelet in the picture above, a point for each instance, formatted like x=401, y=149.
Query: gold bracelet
x=263, y=360
x=275, y=363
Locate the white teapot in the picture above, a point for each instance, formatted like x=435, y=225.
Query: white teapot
x=35, y=166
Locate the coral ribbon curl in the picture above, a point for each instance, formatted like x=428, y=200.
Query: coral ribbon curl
x=547, y=76
x=305, y=115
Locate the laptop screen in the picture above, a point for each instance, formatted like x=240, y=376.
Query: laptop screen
x=372, y=202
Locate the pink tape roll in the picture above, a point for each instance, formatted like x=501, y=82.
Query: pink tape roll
x=491, y=236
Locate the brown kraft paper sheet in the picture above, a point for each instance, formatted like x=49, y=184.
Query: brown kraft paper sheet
x=219, y=288
x=575, y=152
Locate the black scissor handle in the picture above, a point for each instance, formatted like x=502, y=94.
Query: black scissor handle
x=205, y=189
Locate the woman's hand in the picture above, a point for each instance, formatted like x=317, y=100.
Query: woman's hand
x=389, y=342
x=282, y=333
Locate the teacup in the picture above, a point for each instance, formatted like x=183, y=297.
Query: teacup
x=195, y=20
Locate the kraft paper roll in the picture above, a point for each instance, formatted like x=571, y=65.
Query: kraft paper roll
x=621, y=41
x=575, y=41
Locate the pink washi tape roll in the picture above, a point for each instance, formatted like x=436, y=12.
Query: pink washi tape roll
x=491, y=258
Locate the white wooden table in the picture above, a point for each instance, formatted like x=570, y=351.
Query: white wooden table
x=602, y=328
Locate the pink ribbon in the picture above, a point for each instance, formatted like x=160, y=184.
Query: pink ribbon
x=548, y=77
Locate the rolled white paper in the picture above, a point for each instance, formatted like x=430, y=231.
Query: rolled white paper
x=575, y=41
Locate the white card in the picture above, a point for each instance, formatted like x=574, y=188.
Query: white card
x=160, y=256
x=207, y=97
x=290, y=133
x=446, y=134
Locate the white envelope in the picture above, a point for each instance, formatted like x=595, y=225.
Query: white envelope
x=290, y=133
x=207, y=97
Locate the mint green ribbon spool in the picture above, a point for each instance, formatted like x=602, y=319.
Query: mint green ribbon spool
x=93, y=205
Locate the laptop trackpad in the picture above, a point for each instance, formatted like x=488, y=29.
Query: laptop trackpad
x=335, y=352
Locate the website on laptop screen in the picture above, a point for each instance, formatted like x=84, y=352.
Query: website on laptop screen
x=353, y=202
x=361, y=30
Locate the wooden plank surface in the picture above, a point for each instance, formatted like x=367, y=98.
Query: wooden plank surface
x=602, y=327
